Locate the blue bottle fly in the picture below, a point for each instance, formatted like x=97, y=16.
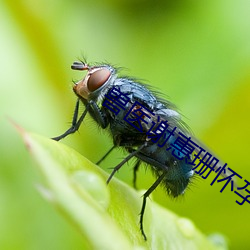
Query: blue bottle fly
x=147, y=126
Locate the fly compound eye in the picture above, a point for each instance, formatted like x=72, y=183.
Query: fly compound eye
x=97, y=79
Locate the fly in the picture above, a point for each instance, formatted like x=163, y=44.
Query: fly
x=144, y=124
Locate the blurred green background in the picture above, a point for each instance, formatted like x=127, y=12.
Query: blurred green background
x=195, y=52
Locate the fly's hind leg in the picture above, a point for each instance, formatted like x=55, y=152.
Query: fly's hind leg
x=145, y=196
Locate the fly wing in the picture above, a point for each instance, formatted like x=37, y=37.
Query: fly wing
x=225, y=174
x=174, y=120
x=168, y=112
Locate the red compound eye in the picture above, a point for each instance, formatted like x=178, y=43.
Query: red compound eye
x=97, y=79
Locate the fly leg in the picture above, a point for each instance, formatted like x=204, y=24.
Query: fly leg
x=136, y=167
x=97, y=114
x=91, y=107
x=75, y=124
x=124, y=161
x=145, y=196
x=105, y=155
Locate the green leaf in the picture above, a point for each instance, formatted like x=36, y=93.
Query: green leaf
x=107, y=215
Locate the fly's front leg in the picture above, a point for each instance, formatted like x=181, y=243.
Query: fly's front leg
x=97, y=114
x=75, y=123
